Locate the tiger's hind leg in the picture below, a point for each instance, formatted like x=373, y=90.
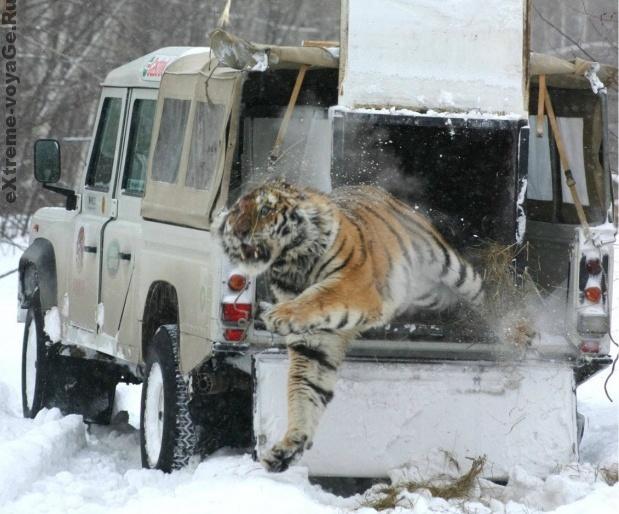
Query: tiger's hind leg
x=312, y=372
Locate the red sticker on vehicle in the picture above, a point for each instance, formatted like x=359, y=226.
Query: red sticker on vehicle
x=153, y=69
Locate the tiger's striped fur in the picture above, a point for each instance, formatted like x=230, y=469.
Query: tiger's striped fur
x=338, y=264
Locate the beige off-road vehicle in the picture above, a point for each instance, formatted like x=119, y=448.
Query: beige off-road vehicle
x=127, y=284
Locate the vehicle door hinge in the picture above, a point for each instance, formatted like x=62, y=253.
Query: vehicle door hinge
x=114, y=208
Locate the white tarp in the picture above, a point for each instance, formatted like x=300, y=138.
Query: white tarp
x=455, y=55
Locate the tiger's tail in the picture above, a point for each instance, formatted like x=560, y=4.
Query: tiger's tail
x=461, y=278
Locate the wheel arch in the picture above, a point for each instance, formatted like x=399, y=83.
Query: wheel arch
x=160, y=308
x=37, y=269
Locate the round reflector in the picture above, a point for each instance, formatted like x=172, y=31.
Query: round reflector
x=237, y=282
x=593, y=294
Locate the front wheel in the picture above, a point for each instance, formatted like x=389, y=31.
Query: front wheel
x=167, y=433
x=73, y=385
x=35, y=361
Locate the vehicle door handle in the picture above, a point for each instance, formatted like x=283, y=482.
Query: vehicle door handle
x=90, y=249
x=124, y=256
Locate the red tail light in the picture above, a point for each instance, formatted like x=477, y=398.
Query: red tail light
x=590, y=346
x=234, y=334
x=593, y=294
x=235, y=312
x=237, y=282
x=594, y=267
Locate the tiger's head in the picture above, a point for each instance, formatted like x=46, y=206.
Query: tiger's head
x=264, y=223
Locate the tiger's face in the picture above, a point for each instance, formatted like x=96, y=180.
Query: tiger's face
x=260, y=225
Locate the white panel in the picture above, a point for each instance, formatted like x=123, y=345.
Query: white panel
x=539, y=185
x=453, y=55
x=571, y=130
x=388, y=415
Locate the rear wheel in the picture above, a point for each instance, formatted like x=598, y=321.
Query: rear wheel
x=167, y=432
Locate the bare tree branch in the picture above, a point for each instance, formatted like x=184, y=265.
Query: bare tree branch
x=565, y=35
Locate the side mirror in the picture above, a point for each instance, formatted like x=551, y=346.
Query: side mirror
x=47, y=161
x=47, y=170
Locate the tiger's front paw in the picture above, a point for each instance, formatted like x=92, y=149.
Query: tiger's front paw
x=283, y=320
x=283, y=454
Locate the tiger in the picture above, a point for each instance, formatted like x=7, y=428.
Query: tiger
x=338, y=264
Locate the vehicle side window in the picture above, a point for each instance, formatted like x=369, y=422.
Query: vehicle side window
x=101, y=164
x=169, y=144
x=134, y=174
x=206, y=141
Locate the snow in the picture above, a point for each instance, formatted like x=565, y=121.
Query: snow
x=41, y=448
x=591, y=74
x=52, y=325
x=100, y=315
x=521, y=219
x=55, y=465
x=471, y=114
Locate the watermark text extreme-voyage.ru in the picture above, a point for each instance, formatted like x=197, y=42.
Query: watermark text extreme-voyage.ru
x=11, y=82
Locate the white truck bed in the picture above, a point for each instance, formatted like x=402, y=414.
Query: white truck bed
x=394, y=414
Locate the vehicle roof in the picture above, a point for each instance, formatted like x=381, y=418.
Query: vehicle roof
x=146, y=71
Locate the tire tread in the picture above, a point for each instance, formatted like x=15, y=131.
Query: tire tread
x=179, y=434
x=185, y=443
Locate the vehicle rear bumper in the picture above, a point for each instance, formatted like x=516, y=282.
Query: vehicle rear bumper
x=390, y=414
x=544, y=348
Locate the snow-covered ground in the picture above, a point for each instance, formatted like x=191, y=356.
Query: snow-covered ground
x=56, y=464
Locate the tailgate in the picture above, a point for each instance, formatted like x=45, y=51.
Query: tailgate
x=392, y=414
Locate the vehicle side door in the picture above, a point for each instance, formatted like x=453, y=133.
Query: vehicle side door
x=97, y=209
x=123, y=235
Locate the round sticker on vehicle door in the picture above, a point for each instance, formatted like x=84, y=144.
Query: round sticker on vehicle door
x=112, y=258
x=79, y=250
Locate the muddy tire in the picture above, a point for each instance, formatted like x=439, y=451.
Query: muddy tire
x=167, y=432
